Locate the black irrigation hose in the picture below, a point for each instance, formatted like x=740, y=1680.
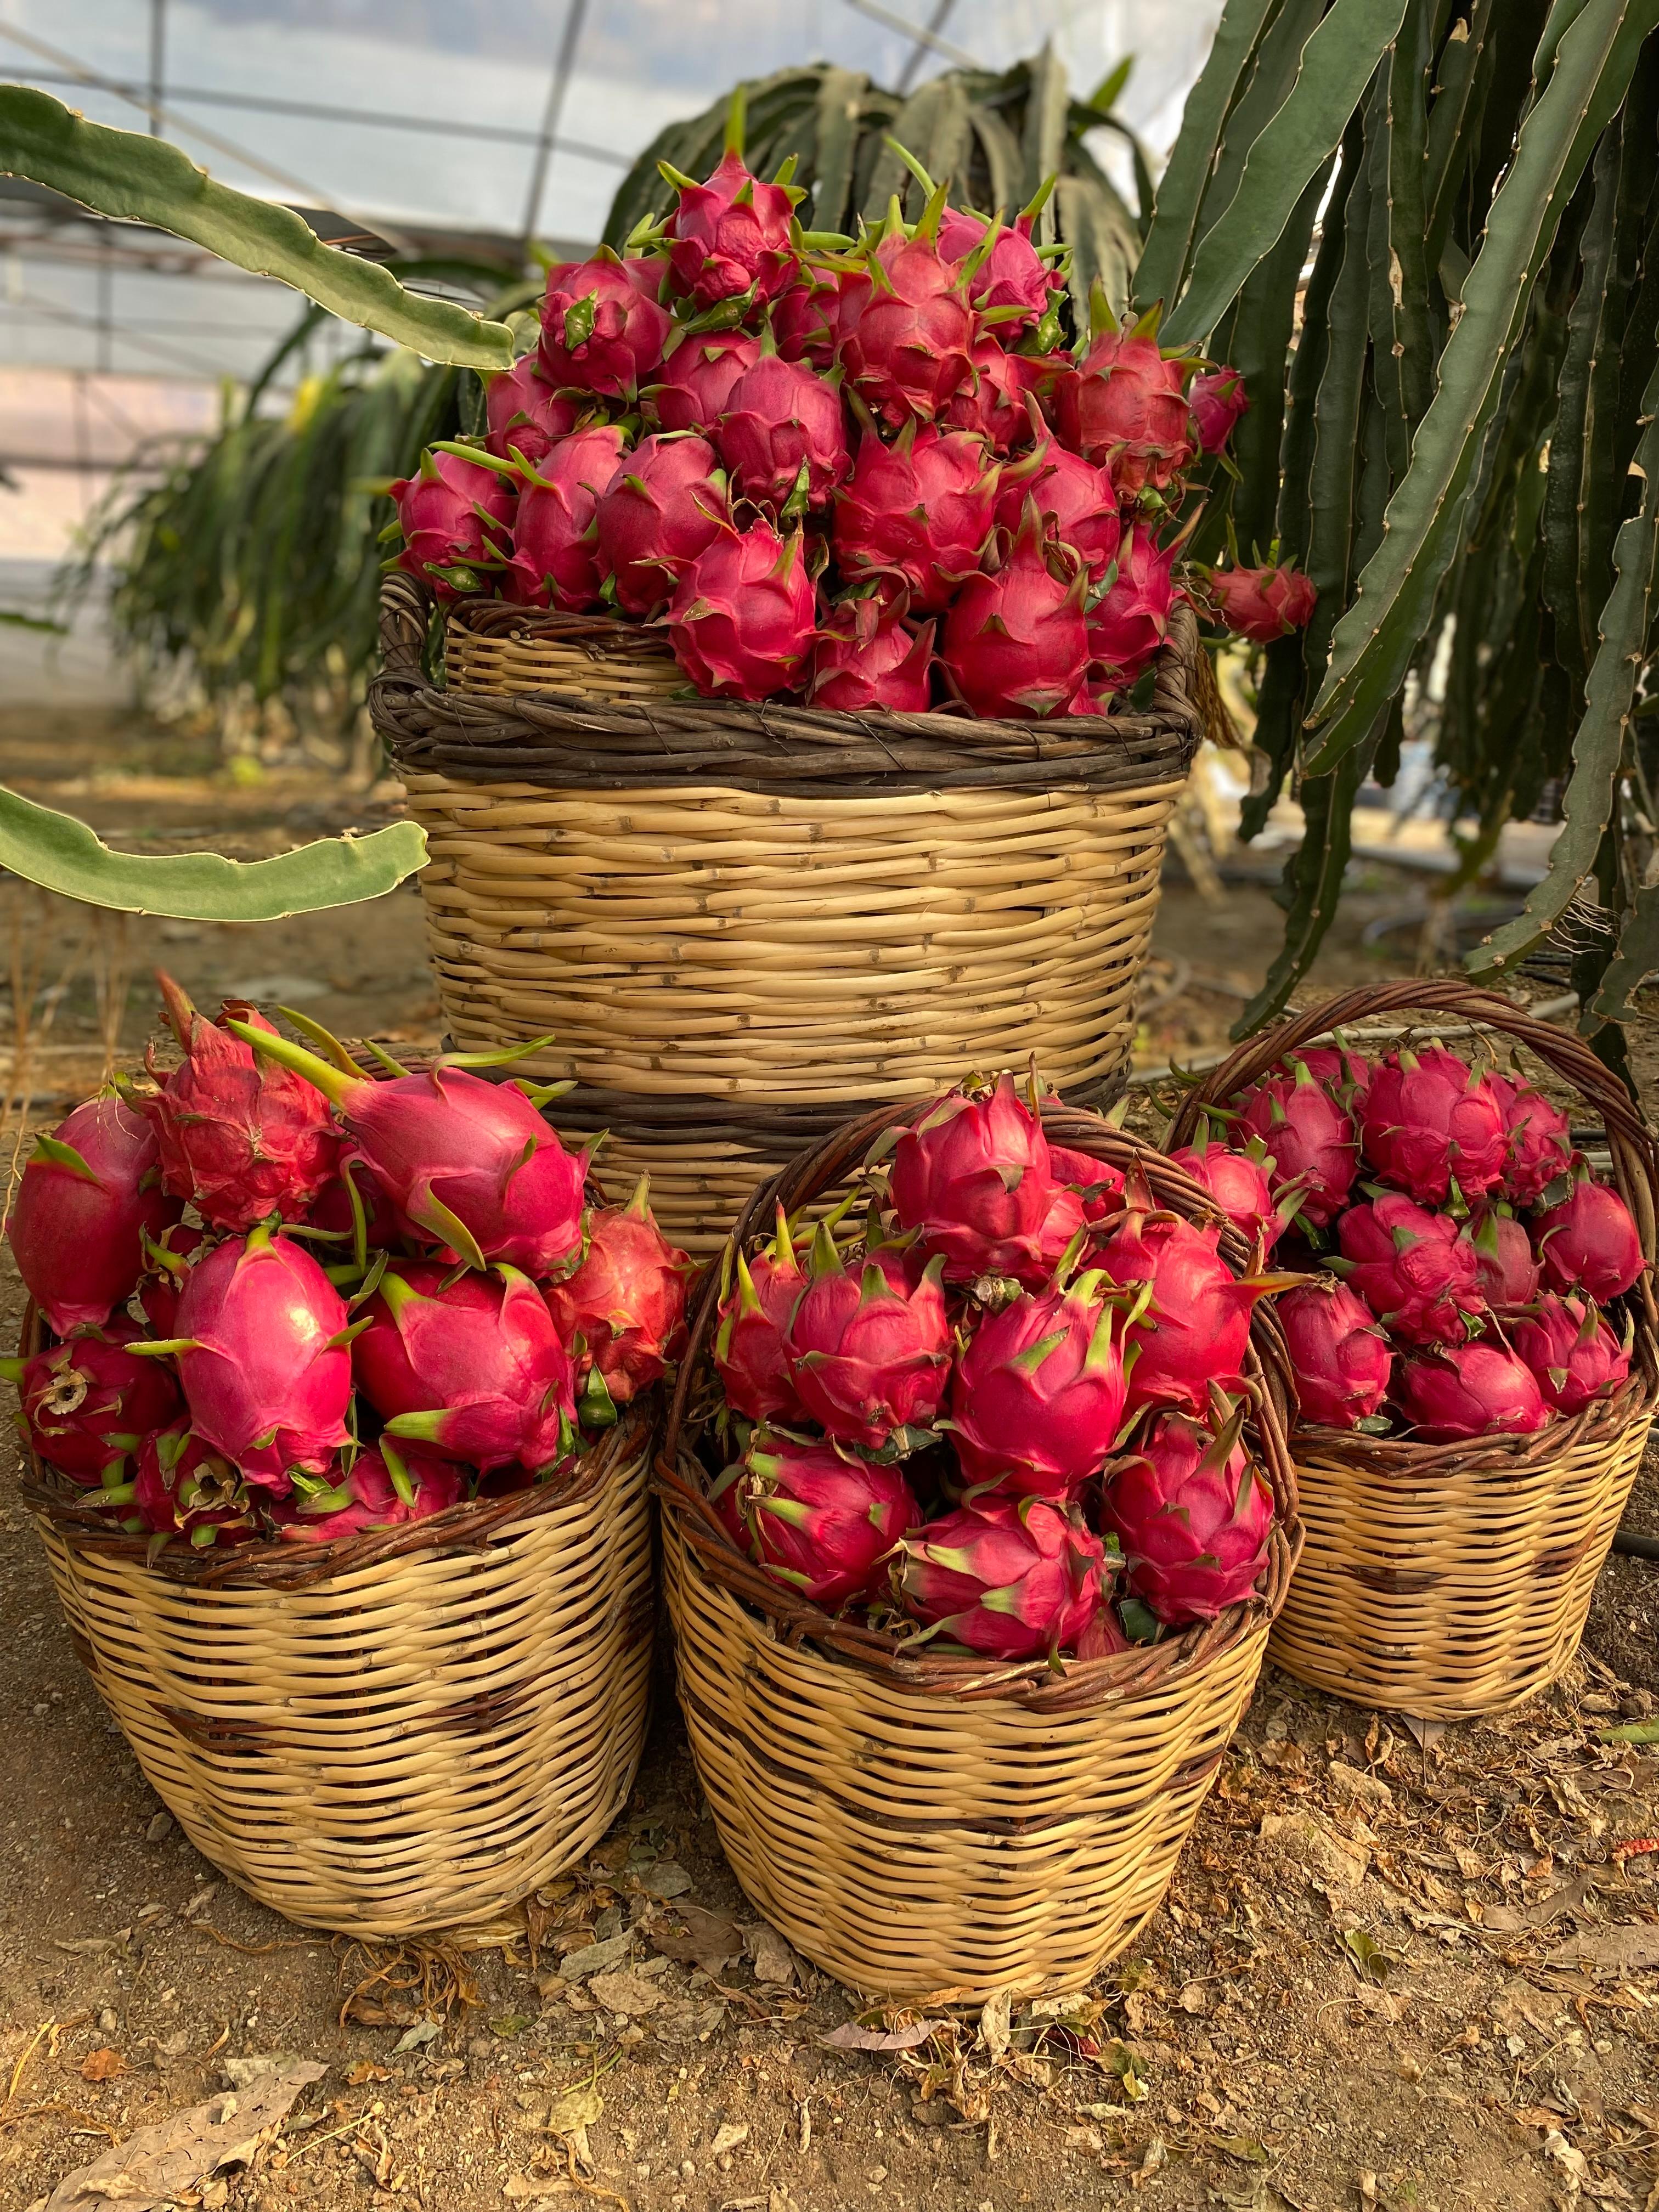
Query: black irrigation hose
x=1636, y=1547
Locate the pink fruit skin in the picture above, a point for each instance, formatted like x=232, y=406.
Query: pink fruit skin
x=783, y=417
x=78, y=1244
x=1340, y=1358
x=743, y=617
x=1509, y=1274
x=871, y=1352
x=1575, y=1358
x=1589, y=1242
x=265, y=1384
x=1263, y=604
x=1037, y=1399
x=1098, y=1184
x=1010, y=275
x=919, y=510
x=1193, y=1522
x=1009, y=1577
x=627, y=1299
x=665, y=503
x=629, y=331
x=1122, y=406
x=454, y=513
x=820, y=1522
x=1465, y=1390
x=1429, y=1120
x=1197, y=1329
x=993, y=401
x=1077, y=498
x=372, y=1500
x=159, y=1289
x=749, y=1354
x=973, y=1178
x=1239, y=1186
x=807, y=318
x=695, y=383
x=180, y=1485
x=381, y=1227
x=1129, y=622
x=1346, y=1075
x=906, y=344
x=88, y=1404
x=1539, y=1140
x=555, y=537
x=527, y=416
x=1217, y=400
x=483, y=1355
x=1016, y=642
x=1311, y=1138
x=730, y=236
x=867, y=656
x=1412, y=1269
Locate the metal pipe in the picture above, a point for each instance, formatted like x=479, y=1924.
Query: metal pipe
x=158, y=47
x=559, y=85
x=925, y=41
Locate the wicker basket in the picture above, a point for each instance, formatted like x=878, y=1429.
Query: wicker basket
x=743, y=924
x=1451, y=1580
x=937, y=1829
x=403, y=1731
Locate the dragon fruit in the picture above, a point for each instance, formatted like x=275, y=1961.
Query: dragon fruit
x=1130, y=620
x=556, y=536
x=242, y=1139
x=603, y=328
x=1311, y=1137
x=1464, y=1390
x=627, y=1299
x=781, y=432
x=1417, y=1274
x=263, y=1357
x=867, y=656
x=1123, y=407
x=1263, y=604
x=1011, y=1578
x=1098, y=1184
x=526, y=417
x=475, y=1368
x=822, y=1522
x=730, y=238
x=1037, y=1399
x=1194, y=1328
x=382, y=1230
x=384, y=1488
x=87, y=1404
x=749, y=1351
x=1240, y=1185
x=182, y=1487
x=694, y=384
x=167, y=1257
x=89, y=1195
x=1344, y=1073
x=995, y=402
x=1013, y=286
x=805, y=318
x=972, y=1179
x=665, y=503
x=743, y=618
x=1016, y=642
x=1217, y=400
x=1192, y=1516
x=1575, y=1358
x=1341, y=1359
x=906, y=344
x=1539, y=1136
x=1429, y=1121
x=870, y=1353
x=1077, y=498
x=1588, y=1241
x=456, y=519
x=1509, y=1274
x=919, y=510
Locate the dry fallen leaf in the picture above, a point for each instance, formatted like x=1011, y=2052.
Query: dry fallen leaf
x=158, y=2164
x=773, y=1961
x=102, y=2065
x=574, y=2108
x=631, y=1995
x=728, y=2137
x=994, y=2024
x=1630, y=1949
x=851, y=2037
x=711, y=1941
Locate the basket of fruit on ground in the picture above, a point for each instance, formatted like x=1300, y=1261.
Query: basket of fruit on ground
x=338, y=1396
x=796, y=673
x=977, y=1508
x=1475, y=1358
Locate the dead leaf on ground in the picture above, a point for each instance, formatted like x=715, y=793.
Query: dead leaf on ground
x=630, y=1994
x=774, y=1961
x=525, y=2185
x=572, y=2109
x=162, y=2163
x=1632, y=1949
x=849, y=2036
x=711, y=1941
x=994, y=2023
x=102, y=2065
x=728, y=2137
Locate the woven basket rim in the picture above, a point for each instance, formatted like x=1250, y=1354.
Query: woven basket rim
x=1144, y=1670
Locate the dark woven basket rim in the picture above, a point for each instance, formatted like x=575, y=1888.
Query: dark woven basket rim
x=679, y=1476
x=1636, y=1171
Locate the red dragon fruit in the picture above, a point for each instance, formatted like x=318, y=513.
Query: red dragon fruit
x=475, y=1368
x=525, y=415
x=1011, y=1578
x=729, y=239
x=88, y=1404
x=780, y=432
x=470, y=1165
x=1240, y=1184
x=603, y=329
x=1192, y=1516
x=184, y=1488
x=1311, y=1139
x=242, y=1139
x=1340, y=1357
x=263, y=1358
x=1460, y=1391
x=456, y=519
x=382, y=1230
x=89, y=1195
x=995, y=402
x=743, y=618
x=1128, y=623
x=1263, y=604
x=555, y=537
x=1037, y=1399
x=819, y=1521
x=805, y=317
x=665, y=503
x=906, y=344
x=1217, y=400
x=1123, y=407
x=1016, y=640
x=1077, y=498
x=972, y=1179
x=1194, y=1328
x=1588, y=1241
x=1575, y=1358
x=166, y=1258
x=1013, y=286
x=627, y=1299
x=920, y=510
x=871, y=1352
x=1429, y=1121
x=866, y=655
x=1509, y=1274
x=756, y=1303
x=1417, y=1274
x=693, y=385
x=1344, y=1073
x=384, y=1488
x=1539, y=1139
x=1097, y=1182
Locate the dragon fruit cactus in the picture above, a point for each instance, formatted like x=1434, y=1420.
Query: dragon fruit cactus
x=1013, y=287
x=1509, y=1273
x=1192, y=1516
x=1575, y=1358
x=184, y=1488
x=1098, y=1184
x=757, y=1297
x=973, y=1178
x=603, y=328
x=470, y=1165
x=456, y=516
x=1429, y=1121
x=1263, y=604
x=87, y=1404
x=918, y=511
x=822, y=1522
x=165, y=1260
x=870, y=1352
x=1464, y=1390
x=866, y=655
x=262, y=1357
x=1011, y=1578
x=555, y=535
x=1240, y=1184
x=1414, y=1271
x=906, y=343
x=730, y=239
x=1309, y=1137
x=242, y=1139
x=1016, y=639
x=1123, y=407
x=627, y=1300
x=1130, y=620
x=1217, y=401
x=1190, y=1318
x=1073, y=496
x=1341, y=1359
x=694, y=384
x=1539, y=1137
x=1037, y=1399
x=1588, y=1241
x=744, y=617
x=383, y=1488
x=475, y=1368
x=89, y=1195
x=526, y=417
x=781, y=434
x=665, y=503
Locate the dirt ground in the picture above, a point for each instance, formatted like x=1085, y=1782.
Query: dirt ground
x=1399, y=1966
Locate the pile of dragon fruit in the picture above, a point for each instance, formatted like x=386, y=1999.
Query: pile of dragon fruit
x=1007, y=1411
x=864, y=472
x=1465, y=1261
x=289, y=1301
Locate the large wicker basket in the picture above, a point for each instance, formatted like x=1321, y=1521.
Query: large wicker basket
x=403, y=1731
x=937, y=1829
x=742, y=924
x=1451, y=1580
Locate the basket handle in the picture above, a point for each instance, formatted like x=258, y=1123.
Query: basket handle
x=406, y=613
